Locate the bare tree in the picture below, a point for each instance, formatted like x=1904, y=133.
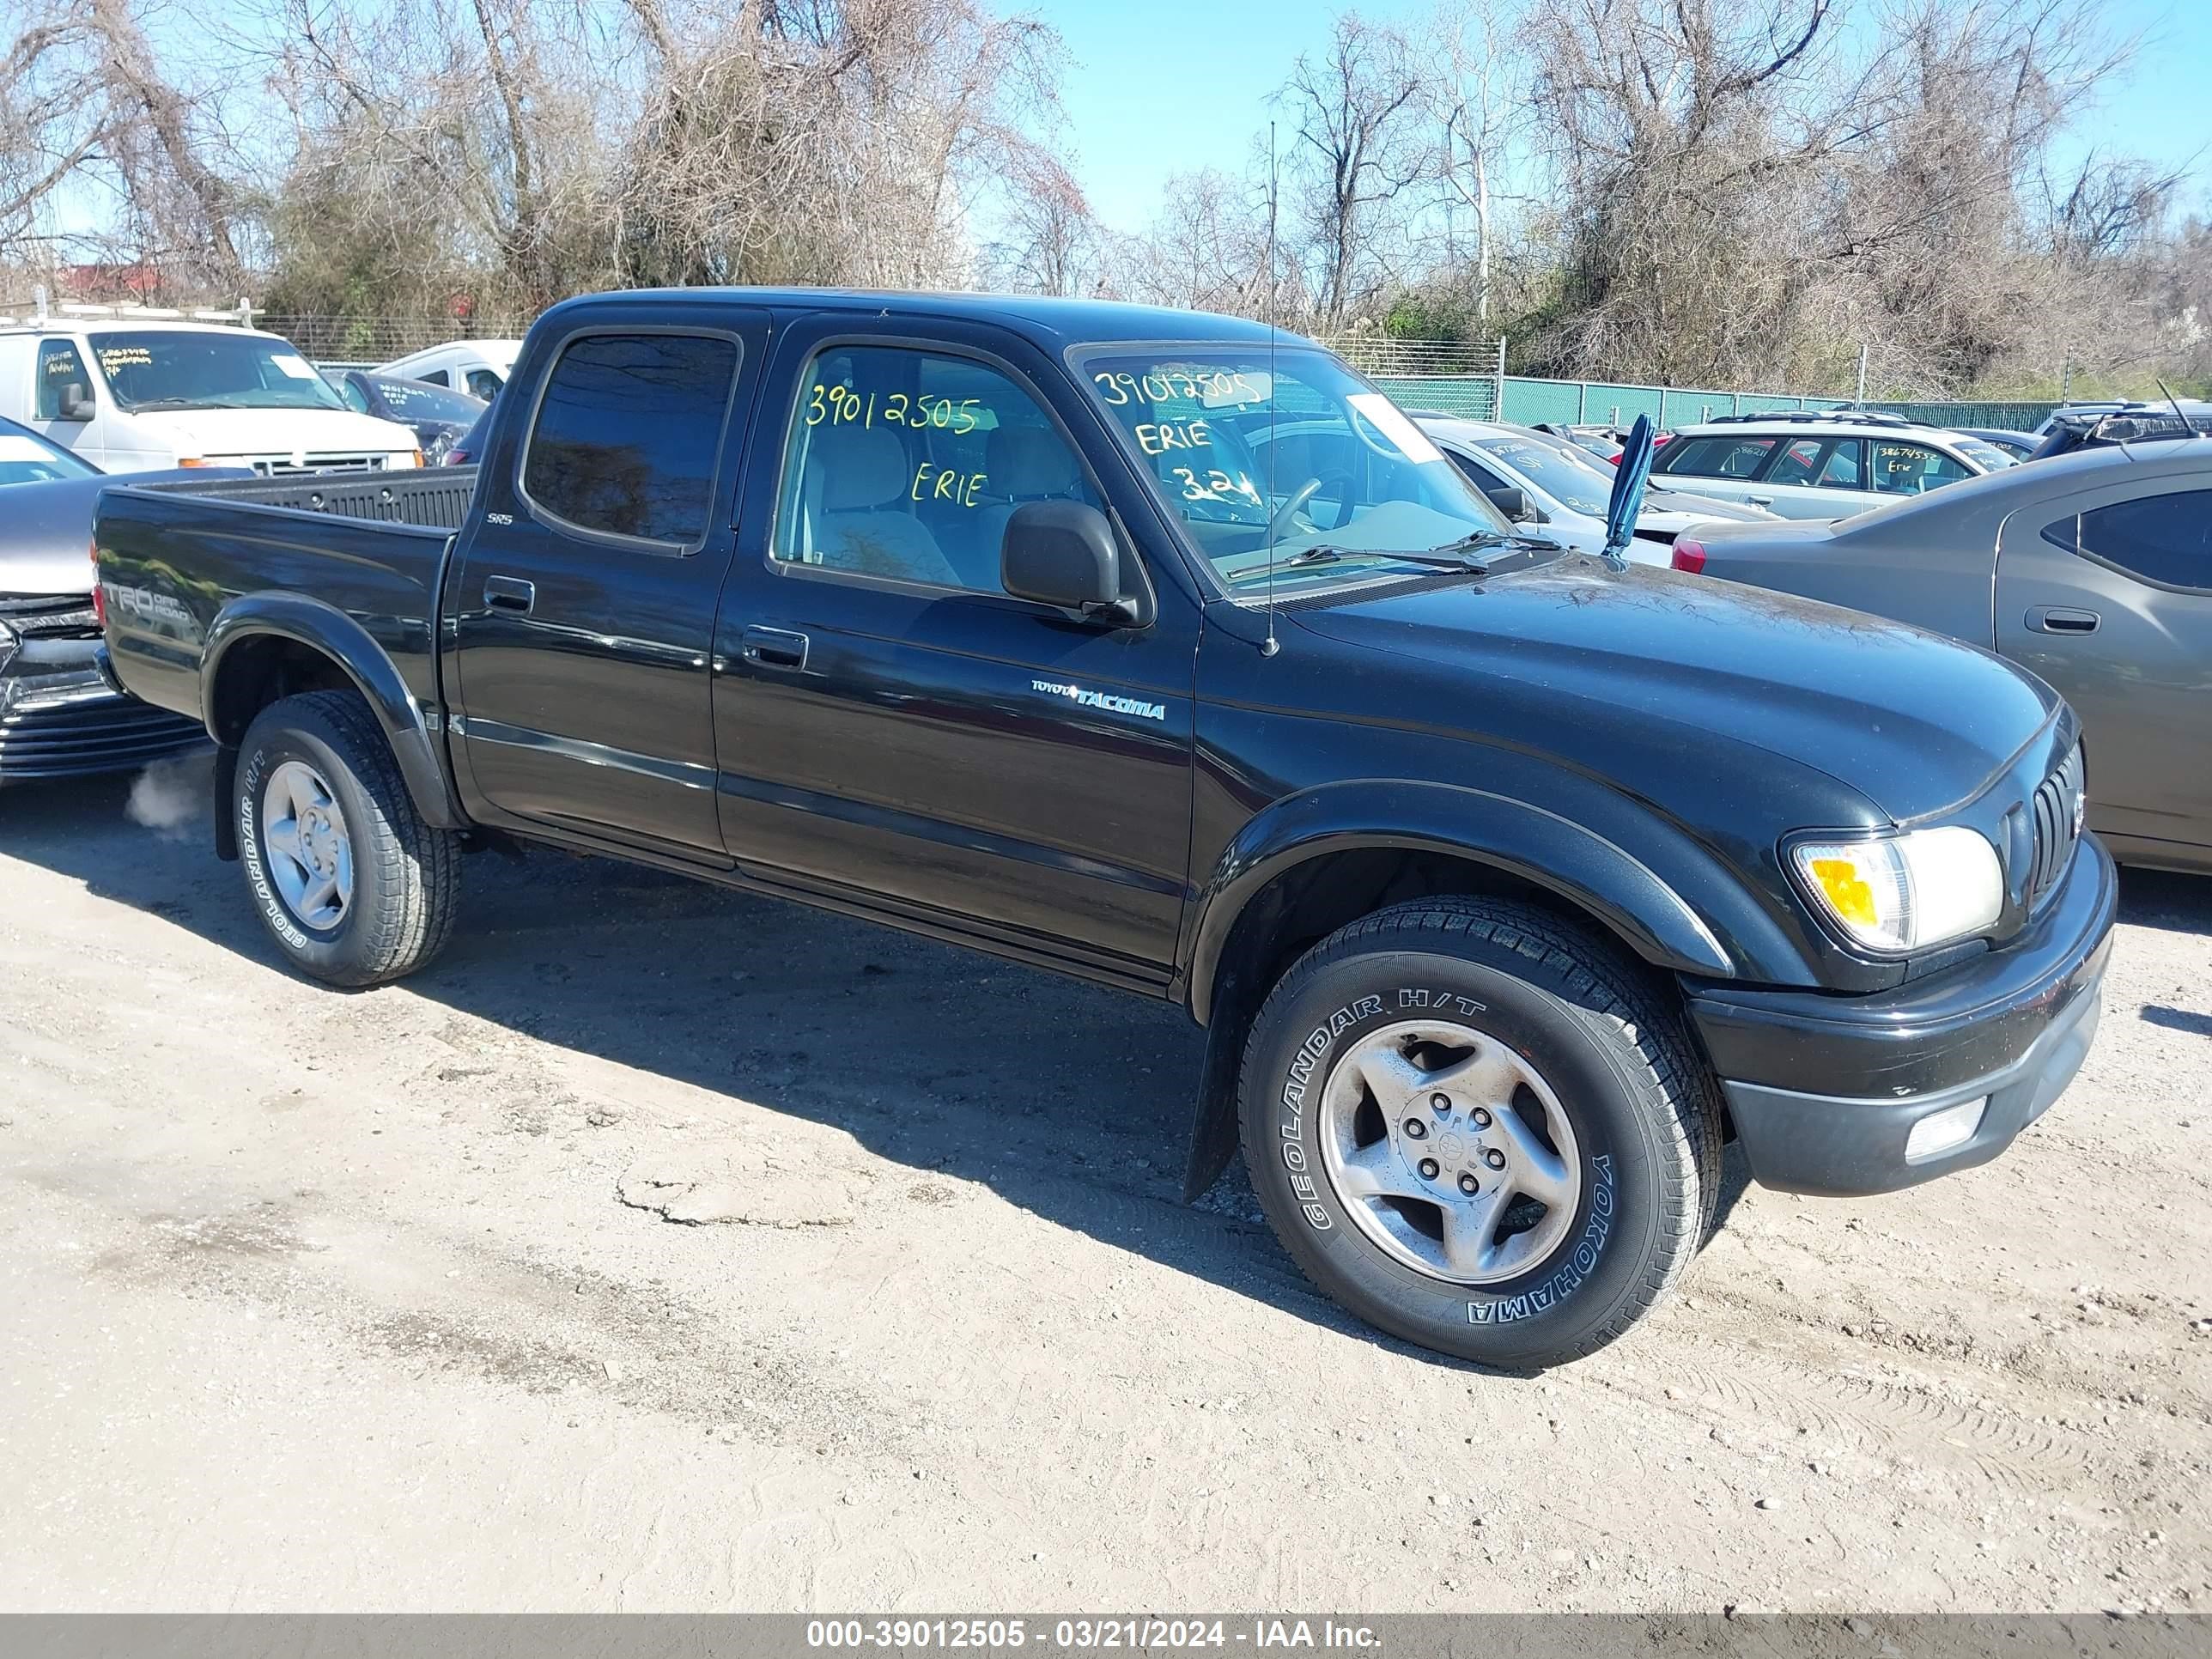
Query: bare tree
x=1474, y=89
x=1355, y=150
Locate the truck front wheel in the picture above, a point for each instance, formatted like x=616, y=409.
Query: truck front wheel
x=1475, y=1125
x=353, y=886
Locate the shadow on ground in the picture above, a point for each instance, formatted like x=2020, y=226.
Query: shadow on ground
x=1070, y=1101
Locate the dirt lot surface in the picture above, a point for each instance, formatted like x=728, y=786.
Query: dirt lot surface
x=665, y=1248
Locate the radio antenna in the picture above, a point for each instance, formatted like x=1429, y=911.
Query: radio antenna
x=1273, y=645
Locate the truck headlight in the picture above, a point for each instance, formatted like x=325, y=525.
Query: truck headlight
x=9, y=642
x=1904, y=892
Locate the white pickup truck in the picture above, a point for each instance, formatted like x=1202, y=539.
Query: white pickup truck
x=135, y=394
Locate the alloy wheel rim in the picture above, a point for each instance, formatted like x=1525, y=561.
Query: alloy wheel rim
x=1450, y=1153
x=308, y=847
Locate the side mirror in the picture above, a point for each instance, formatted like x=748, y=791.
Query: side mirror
x=1513, y=502
x=1063, y=554
x=77, y=402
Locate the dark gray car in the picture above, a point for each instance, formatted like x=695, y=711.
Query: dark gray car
x=2093, y=570
x=59, y=718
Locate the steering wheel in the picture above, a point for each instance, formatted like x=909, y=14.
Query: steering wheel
x=1279, y=526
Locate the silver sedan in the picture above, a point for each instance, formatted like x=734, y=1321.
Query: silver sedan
x=2092, y=570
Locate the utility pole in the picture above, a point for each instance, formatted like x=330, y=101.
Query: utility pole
x=1860, y=400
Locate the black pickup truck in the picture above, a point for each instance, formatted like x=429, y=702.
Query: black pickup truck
x=1162, y=650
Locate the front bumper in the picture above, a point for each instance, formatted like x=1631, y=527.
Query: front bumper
x=59, y=718
x=1825, y=1090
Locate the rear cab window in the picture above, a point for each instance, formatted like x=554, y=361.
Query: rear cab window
x=1717, y=457
x=628, y=434
x=906, y=463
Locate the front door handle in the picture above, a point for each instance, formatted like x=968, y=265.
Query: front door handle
x=1760, y=501
x=2061, y=619
x=509, y=593
x=774, y=647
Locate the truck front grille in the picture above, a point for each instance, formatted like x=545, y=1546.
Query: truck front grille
x=284, y=466
x=2056, y=825
x=50, y=615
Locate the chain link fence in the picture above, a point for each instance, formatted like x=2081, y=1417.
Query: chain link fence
x=365, y=342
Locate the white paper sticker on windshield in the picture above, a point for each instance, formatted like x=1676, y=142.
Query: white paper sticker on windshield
x=1412, y=443
x=298, y=367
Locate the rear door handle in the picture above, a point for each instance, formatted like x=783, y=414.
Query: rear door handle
x=2061, y=619
x=509, y=593
x=774, y=647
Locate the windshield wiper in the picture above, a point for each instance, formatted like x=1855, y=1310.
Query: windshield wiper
x=1465, y=554
x=1505, y=541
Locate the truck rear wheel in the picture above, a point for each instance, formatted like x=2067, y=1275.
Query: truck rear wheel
x=354, y=886
x=1476, y=1125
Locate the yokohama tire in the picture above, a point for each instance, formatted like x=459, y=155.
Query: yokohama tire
x=1611, y=1109
x=403, y=878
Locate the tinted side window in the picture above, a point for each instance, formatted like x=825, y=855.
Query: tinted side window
x=1717, y=457
x=1842, y=469
x=2162, y=538
x=1476, y=472
x=907, y=463
x=628, y=434
x=60, y=369
x=1800, y=463
x=434, y=376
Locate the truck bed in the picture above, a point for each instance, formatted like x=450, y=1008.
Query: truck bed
x=431, y=497
x=370, y=545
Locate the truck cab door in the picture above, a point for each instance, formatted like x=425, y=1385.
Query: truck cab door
x=2107, y=594
x=899, y=735
x=582, y=596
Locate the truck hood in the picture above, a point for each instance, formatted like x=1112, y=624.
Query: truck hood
x=45, y=530
x=1573, y=655
x=222, y=435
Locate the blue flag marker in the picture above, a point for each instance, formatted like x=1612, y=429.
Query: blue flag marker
x=1628, y=489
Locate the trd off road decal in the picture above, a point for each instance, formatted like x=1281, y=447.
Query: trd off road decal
x=1302, y=1066
x=1580, y=1263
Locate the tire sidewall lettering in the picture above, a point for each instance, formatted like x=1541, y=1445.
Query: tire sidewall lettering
x=251, y=777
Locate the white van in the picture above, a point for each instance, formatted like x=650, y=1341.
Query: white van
x=135, y=394
x=479, y=367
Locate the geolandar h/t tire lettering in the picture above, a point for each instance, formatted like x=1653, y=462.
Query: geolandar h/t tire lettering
x=355, y=888
x=1476, y=1125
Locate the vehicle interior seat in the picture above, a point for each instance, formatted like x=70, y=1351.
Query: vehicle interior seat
x=1023, y=464
x=858, y=476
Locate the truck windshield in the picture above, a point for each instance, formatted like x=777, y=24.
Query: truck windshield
x=151, y=370
x=1264, y=464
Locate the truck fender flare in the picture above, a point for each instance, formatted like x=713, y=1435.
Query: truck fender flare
x=323, y=628
x=1594, y=874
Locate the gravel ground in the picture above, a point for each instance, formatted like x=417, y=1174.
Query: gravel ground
x=664, y=1249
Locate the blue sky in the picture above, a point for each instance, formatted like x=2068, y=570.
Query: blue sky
x=1159, y=87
